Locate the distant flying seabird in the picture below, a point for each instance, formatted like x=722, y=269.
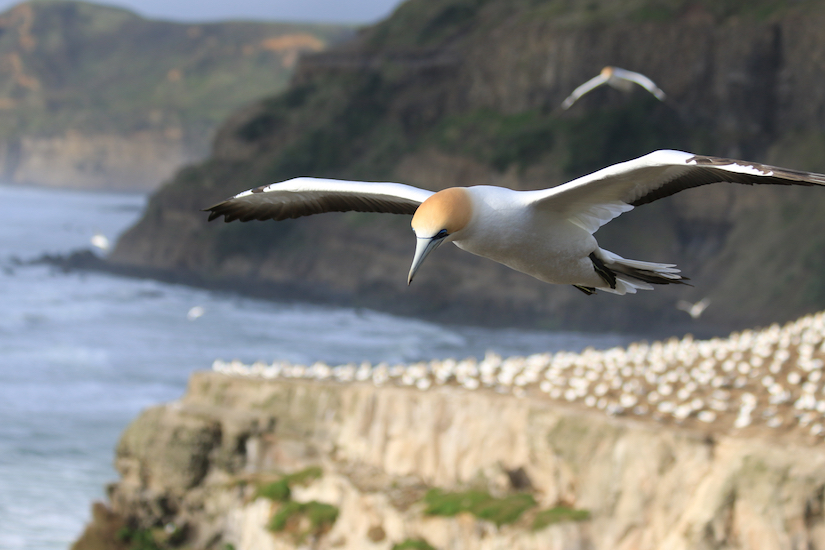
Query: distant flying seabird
x=547, y=234
x=99, y=240
x=695, y=310
x=620, y=79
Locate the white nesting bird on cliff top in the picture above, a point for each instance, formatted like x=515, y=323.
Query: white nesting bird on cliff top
x=547, y=234
x=620, y=79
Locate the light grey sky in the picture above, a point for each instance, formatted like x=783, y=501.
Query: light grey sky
x=332, y=11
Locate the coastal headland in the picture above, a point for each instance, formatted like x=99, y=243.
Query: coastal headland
x=98, y=97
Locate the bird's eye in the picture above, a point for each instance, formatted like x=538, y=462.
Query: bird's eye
x=441, y=234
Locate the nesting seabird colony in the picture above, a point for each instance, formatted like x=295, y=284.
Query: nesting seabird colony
x=770, y=378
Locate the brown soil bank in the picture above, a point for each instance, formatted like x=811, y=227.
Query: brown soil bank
x=463, y=92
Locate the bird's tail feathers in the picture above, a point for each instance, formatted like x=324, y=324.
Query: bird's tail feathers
x=633, y=275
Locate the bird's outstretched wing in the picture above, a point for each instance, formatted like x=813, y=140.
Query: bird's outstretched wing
x=593, y=200
x=306, y=196
x=641, y=80
x=594, y=82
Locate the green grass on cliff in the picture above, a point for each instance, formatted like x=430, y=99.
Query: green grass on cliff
x=300, y=519
x=277, y=491
x=431, y=23
x=667, y=10
x=138, y=539
x=558, y=514
x=304, y=519
x=501, y=511
x=481, y=504
x=498, y=139
x=280, y=490
x=413, y=544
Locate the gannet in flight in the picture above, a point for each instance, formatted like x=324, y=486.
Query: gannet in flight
x=620, y=79
x=547, y=234
x=195, y=312
x=99, y=240
x=694, y=310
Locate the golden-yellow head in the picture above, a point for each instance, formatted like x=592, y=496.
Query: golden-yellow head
x=448, y=210
x=439, y=217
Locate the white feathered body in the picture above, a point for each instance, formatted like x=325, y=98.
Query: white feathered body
x=516, y=234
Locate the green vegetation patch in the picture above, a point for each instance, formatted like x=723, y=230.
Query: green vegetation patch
x=303, y=519
x=277, y=491
x=413, y=544
x=327, y=148
x=151, y=539
x=596, y=138
x=280, y=490
x=304, y=476
x=481, y=504
x=558, y=515
x=498, y=139
x=138, y=539
x=300, y=519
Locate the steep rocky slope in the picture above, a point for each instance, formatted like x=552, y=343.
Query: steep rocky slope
x=97, y=96
x=462, y=92
x=563, y=452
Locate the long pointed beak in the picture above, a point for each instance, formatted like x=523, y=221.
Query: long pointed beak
x=423, y=247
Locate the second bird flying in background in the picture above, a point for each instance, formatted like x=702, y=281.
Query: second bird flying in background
x=621, y=79
x=547, y=234
x=696, y=309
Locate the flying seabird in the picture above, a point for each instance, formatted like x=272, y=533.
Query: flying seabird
x=195, y=313
x=100, y=241
x=620, y=79
x=547, y=233
x=694, y=310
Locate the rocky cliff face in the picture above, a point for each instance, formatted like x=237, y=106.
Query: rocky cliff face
x=466, y=92
x=137, y=161
x=95, y=96
x=681, y=444
x=195, y=464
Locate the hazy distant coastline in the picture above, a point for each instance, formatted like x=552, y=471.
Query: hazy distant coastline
x=94, y=96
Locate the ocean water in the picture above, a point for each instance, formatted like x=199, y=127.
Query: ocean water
x=82, y=353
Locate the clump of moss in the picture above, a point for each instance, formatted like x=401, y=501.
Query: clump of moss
x=138, y=539
x=481, y=504
x=558, y=515
x=277, y=491
x=304, y=519
x=280, y=490
x=301, y=519
x=304, y=476
x=413, y=544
